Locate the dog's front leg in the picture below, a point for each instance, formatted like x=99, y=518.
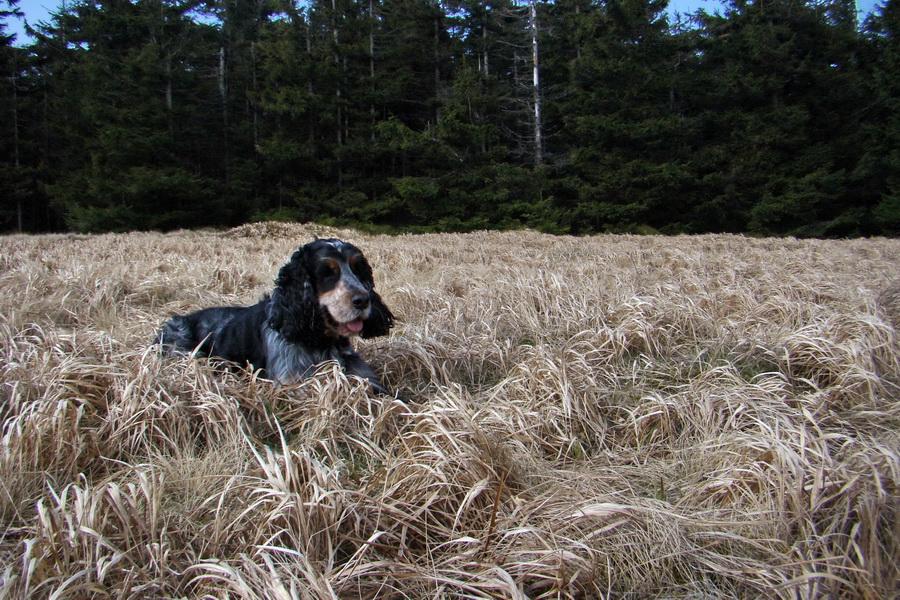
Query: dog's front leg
x=355, y=365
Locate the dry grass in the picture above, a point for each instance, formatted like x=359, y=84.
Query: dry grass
x=606, y=417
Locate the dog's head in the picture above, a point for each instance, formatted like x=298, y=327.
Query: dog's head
x=327, y=291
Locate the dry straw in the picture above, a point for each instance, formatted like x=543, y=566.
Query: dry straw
x=605, y=417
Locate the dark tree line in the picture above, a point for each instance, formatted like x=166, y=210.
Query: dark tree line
x=771, y=117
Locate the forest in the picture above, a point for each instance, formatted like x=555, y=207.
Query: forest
x=766, y=117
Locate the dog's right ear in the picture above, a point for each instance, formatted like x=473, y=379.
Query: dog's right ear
x=380, y=320
x=294, y=310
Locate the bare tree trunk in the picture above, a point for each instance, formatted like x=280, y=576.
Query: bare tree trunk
x=339, y=115
x=337, y=61
x=254, y=105
x=15, y=114
x=372, y=66
x=578, y=16
x=311, y=122
x=437, y=67
x=223, y=92
x=484, y=38
x=169, y=88
x=536, y=88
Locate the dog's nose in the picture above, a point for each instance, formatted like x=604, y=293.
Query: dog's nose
x=360, y=301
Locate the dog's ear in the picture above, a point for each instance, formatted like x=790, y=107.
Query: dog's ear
x=294, y=308
x=380, y=318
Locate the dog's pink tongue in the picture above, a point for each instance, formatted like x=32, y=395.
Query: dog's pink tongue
x=354, y=326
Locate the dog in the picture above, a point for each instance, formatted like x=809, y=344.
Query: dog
x=324, y=296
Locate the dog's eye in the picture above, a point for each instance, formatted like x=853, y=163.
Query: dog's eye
x=329, y=270
x=357, y=265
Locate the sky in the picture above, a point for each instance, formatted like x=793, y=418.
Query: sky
x=39, y=10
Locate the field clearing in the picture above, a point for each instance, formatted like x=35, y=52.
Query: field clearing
x=604, y=417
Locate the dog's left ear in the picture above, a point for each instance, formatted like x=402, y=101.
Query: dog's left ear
x=380, y=318
x=294, y=309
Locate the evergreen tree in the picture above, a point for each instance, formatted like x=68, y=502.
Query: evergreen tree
x=14, y=194
x=773, y=141
x=620, y=123
x=294, y=115
x=127, y=111
x=879, y=169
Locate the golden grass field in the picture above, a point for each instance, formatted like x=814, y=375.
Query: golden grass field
x=601, y=417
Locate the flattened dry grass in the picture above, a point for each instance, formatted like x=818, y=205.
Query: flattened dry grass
x=605, y=417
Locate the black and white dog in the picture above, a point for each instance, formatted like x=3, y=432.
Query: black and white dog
x=322, y=297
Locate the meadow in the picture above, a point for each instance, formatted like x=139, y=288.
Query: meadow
x=600, y=417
